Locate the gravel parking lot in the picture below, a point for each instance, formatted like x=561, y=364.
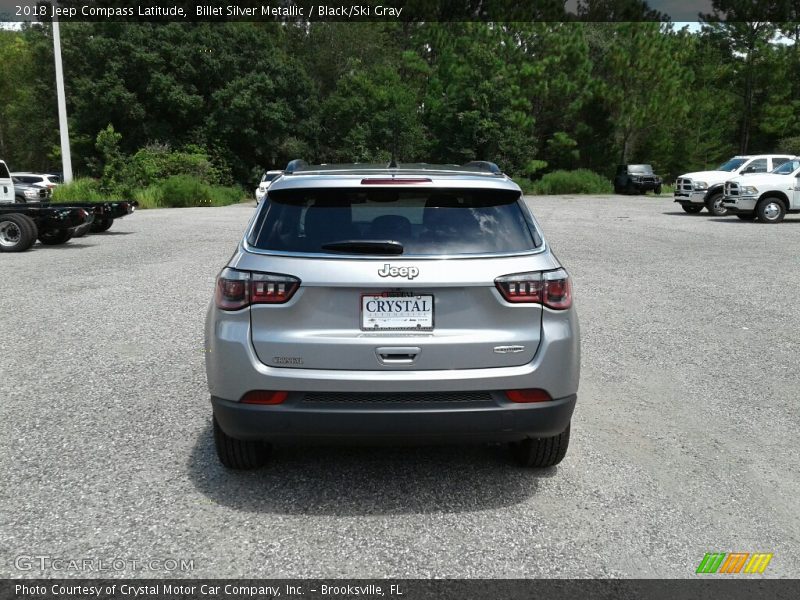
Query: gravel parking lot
x=684, y=440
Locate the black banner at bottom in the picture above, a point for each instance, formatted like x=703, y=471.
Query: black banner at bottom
x=705, y=588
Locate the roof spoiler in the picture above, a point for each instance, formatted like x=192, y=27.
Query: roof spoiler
x=484, y=165
x=295, y=165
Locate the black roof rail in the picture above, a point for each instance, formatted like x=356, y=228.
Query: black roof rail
x=295, y=165
x=485, y=165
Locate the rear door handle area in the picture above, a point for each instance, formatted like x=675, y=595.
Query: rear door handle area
x=397, y=355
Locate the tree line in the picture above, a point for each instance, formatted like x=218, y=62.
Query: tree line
x=533, y=97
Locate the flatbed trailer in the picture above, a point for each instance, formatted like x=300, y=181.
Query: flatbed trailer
x=104, y=213
x=22, y=224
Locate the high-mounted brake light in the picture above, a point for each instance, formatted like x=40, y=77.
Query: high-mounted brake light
x=394, y=180
x=237, y=289
x=550, y=288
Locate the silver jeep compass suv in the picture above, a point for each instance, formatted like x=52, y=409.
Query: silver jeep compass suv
x=409, y=302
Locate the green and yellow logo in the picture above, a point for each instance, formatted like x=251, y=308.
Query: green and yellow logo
x=734, y=562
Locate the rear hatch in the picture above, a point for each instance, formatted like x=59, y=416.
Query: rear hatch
x=394, y=279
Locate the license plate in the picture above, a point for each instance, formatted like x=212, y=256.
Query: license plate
x=382, y=312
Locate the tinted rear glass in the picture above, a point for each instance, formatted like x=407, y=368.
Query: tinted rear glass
x=4, y=174
x=788, y=167
x=425, y=222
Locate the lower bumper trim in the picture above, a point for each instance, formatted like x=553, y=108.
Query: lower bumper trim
x=494, y=422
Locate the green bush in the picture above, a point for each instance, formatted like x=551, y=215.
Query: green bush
x=181, y=190
x=524, y=183
x=149, y=197
x=79, y=190
x=224, y=196
x=580, y=181
x=156, y=162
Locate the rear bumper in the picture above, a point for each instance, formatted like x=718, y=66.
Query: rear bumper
x=644, y=186
x=499, y=420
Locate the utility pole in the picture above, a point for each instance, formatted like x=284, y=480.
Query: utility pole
x=66, y=156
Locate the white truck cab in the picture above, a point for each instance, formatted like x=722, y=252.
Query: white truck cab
x=693, y=191
x=6, y=185
x=768, y=197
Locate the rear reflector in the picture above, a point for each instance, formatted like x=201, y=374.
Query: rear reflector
x=264, y=397
x=524, y=396
x=394, y=180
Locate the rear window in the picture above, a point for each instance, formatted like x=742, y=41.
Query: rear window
x=4, y=174
x=423, y=222
x=788, y=167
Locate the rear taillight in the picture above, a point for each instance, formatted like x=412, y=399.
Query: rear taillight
x=238, y=289
x=529, y=395
x=550, y=288
x=264, y=397
x=557, y=289
x=522, y=287
x=266, y=288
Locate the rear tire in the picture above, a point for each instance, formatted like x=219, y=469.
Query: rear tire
x=715, y=206
x=692, y=209
x=102, y=224
x=542, y=452
x=55, y=237
x=770, y=210
x=239, y=454
x=15, y=233
x=34, y=229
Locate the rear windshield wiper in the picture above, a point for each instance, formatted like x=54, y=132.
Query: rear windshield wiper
x=365, y=246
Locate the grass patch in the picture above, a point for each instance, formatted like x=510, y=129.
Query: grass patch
x=78, y=190
x=580, y=181
x=174, y=192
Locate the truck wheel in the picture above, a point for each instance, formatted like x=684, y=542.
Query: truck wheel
x=543, y=452
x=746, y=216
x=770, y=210
x=55, y=237
x=15, y=233
x=715, y=206
x=692, y=209
x=239, y=454
x=102, y=224
x=657, y=190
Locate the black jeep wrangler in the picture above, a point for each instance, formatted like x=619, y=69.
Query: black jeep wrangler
x=636, y=179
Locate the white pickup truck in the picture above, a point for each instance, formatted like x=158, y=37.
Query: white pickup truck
x=765, y=197
x=6, y=185
x=693, y=191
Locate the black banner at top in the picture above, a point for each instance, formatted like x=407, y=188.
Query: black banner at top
x=400, y=10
